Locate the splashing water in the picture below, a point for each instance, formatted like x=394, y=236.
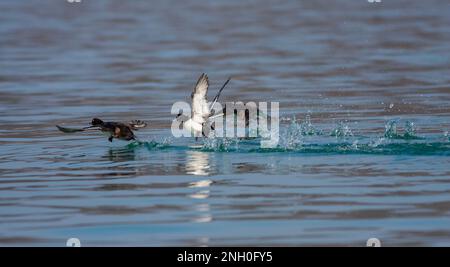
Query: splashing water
x=292, y=136
x=342, y=130
x=220, y=144
x=391, y=131
x=151, y=145
x=410, y=130
x=304, y=137
x=377, y=142
x=307, y=127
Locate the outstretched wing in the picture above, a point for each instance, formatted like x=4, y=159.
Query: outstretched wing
x=218, y=95
x=74, y=130
x=200, y=109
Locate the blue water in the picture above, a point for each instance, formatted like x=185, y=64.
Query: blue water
x=364, y=151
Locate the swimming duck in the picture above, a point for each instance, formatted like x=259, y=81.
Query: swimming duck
x=118, y=130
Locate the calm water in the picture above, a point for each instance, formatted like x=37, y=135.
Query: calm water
x=364, y=92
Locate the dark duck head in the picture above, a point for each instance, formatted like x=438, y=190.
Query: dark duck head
x=96, y=122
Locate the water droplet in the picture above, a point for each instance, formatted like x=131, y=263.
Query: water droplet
x=377, y=142
x=355, y=145
x=410, y=129
x=342, y=130
x=390, y=129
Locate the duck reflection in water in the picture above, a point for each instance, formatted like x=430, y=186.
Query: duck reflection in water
x=127, y=153
x=198, y=163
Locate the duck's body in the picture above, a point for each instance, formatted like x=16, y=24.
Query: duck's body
x=201, y=121
x=201, y=110
x=118, y=130
x=194, y=127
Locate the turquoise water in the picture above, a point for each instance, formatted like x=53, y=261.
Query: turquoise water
x=364, y=147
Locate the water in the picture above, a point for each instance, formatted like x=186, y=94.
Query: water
x=364, y=98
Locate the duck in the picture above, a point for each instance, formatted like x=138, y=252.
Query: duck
x=201, y=111
x=199, y=123
x=117, y=130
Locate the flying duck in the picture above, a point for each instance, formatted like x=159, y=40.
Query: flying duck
x=201, y=111
x=118, y=130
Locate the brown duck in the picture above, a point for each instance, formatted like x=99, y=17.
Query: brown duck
x=118, y=130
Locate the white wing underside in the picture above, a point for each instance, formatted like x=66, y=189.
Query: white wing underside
x=200, y=108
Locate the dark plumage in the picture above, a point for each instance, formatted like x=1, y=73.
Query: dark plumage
x=118, y=130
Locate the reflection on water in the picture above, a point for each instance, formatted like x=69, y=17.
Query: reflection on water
x=203, y=193
x=364, y=147
x=121, y=154
x=197, y=163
